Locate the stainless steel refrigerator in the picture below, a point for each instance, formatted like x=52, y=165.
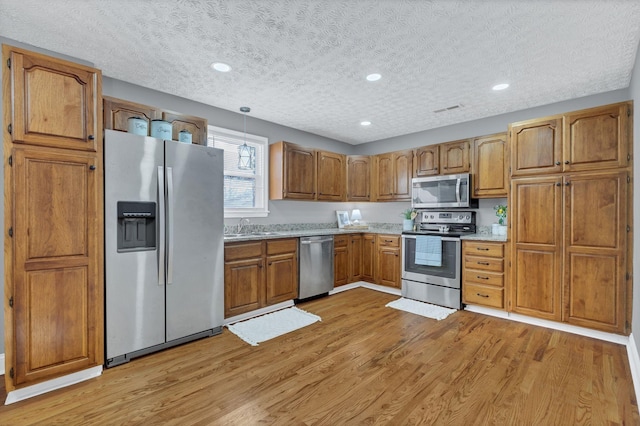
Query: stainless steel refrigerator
x=163, y=244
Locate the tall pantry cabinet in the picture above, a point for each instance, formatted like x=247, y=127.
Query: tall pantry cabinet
x=570, y=228
x=53, y=217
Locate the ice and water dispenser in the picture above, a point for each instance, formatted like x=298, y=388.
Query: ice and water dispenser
x=136, y=226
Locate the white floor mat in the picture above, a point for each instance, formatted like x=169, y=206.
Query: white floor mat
x=265, y=327
x=420, y=308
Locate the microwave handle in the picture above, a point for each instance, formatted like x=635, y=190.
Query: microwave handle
x=458, y=185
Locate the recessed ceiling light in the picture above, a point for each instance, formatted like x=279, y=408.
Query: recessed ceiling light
x=374, y=77
x=501, y=86
x=365, y=123
x=220, y=66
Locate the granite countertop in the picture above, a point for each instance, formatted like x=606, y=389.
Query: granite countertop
x=253, y=236
x=485, y=237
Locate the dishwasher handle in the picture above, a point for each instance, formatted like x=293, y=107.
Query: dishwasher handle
x=324, y=240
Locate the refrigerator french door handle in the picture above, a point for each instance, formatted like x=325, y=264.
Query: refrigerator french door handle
x=170, y=225
x=161, y=226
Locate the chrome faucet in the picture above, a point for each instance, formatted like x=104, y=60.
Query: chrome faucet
x=241, y=224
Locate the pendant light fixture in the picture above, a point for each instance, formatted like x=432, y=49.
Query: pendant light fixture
x=246, y=153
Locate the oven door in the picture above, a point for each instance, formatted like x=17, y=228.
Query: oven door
x=447, y=275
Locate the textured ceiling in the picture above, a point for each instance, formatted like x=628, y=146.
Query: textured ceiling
x=303, y=63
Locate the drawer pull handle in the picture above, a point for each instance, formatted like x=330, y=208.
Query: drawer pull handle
x=388, y=241
x=482, y=248
x=482, y=278
x=484, y=263
x=482, y=295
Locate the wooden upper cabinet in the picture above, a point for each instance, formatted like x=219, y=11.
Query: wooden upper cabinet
x=403, y=169
x=117, y=113
x=427, y=161
x=57, y=285
x=292, y=172
x=358, y=178
x=393, y=175
x=454, y=157
x=536, y=146
x=597, y=138
x=54, y=103
x=331, y=169
x=195, y=125
x=490, y=166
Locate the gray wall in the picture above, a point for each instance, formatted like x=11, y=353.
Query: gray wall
x=634, y=93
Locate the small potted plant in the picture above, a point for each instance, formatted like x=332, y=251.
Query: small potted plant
x=409, y=215
x=500, y=228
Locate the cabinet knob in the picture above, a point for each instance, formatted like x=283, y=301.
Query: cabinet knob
x=270, y=263
x=567, y=183
x=566, y=162
x=558, y=184
x=92, y=167
x=557, y=163
x=91, y=137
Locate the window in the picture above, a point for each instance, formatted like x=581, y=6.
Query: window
x=245, y=172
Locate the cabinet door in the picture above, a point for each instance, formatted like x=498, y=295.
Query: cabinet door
x=427, y=161
x=537, y=246
x=536, y=146
x=282, y=278
x=355, y=258
x=341, y=260
x=117, y=113
x=490, y=165
x=388, y=267
x=195, y=125
x=597, y=138
x=454, y=157
x=594, y=250
x=55, y=103
x=243, y=286
x=358, y=178
x=368, y=257
x=299, y=172
x=385, y=177
x=57, y=269
x=403, y=172
x=331, y=181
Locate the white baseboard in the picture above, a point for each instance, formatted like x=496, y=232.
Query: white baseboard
x=50, y=385
x=634, y=363
x=601, y=335
x=381, y=288
x=2, y=369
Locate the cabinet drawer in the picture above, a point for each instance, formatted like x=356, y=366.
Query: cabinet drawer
x=483, y=295
x=389, y=240
x=235, y=251
x=289, y=245
x=340, y=240
x=484, y=263
x=484, y=249
x=483, y=277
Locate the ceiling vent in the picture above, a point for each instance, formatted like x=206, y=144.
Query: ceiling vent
x=448, y=108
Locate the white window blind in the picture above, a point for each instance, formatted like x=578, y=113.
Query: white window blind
x=245, y=184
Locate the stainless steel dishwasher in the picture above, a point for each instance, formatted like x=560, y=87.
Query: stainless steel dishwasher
x=316, y=266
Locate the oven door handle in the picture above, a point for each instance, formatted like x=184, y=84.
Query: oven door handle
x=413, y=237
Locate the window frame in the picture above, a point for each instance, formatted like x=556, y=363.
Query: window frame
x=212, y=131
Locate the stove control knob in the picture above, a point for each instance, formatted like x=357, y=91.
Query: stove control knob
x=460, y=217
x=468, y=217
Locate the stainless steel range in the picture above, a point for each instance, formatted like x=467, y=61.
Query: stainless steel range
x=431, y=257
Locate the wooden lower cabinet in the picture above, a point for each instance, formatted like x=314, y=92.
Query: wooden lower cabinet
x=483, y=273
x=388, y=261
x=569, y=246
x=249, y=285
x=355, y=258
x=368, y=258
x=340, y=260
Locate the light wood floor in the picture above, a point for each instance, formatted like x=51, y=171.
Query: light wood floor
x=363, y=364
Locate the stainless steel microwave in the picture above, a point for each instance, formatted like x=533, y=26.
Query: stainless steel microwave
x=445, y=191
